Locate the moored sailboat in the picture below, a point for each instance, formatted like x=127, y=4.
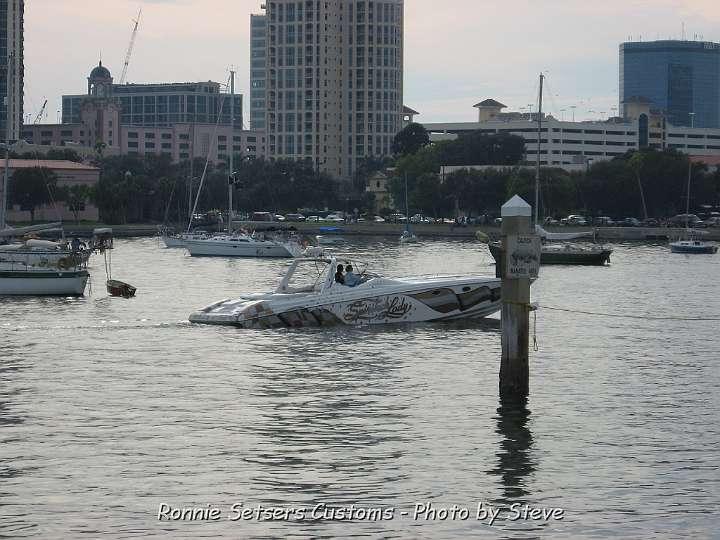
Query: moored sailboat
x=691, y=243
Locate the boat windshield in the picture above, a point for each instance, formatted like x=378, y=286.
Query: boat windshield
x=305, y=276
x=315, y=275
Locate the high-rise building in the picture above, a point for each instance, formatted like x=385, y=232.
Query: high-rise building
x=11, y=68
x=334, y=81
x=258, y=60
x=682, y=78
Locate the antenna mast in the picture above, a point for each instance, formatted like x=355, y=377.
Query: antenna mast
x=130, y=47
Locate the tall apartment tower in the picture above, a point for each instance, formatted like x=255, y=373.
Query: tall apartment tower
x=334, y=80
x=258, y=61
x=11, y=68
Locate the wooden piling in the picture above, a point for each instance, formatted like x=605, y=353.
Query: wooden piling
x=520, y=264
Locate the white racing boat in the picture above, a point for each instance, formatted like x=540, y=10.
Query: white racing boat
x=310, y=296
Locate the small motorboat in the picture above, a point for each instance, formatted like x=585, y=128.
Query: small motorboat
x=408, y=237
x=119, y=288
x=310, y=296
x=323, y=240
x=692, y=247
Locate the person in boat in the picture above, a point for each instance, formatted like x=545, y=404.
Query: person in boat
x=351, y=279
x=339, y=277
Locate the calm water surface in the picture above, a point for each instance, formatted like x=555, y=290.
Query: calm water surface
x=111, y=407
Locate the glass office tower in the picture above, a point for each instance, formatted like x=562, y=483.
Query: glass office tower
x=680, y=77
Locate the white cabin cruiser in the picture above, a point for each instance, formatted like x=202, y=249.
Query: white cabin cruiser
x=244, y=245
x=310, y=296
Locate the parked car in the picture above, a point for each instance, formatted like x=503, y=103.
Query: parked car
x=313, y=219
x=550, y=221
x=262, y=216
x=575, y=220
x=295, y=217
x=630, y=222
x=397, y=218
x=712, y=222
x=682, y=219
x=335, y=218
x=650, y=222
x=604, y=221
x=379, y=219
x=498, y=222
x=279, y=217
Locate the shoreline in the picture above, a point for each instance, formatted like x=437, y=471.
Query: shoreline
x=630, y=234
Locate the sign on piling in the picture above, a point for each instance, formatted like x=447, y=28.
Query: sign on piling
x=521, y=256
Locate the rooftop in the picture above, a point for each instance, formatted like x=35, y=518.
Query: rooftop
x=490, y=103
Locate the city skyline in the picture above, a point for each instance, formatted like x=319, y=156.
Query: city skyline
x=489, y=55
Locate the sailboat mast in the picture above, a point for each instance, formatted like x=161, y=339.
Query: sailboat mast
x=539, y=145
x=407, y=206
x=3, y=199
x=231, y=185
x=687, y=203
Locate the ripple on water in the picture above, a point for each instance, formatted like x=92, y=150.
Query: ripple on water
x=109, y=407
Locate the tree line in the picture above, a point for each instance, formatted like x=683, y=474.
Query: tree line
x=645, y=183
x=134, y=189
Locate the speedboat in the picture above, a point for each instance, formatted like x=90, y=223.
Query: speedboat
x=244, y=245
x=310, y=296
x=693, y=247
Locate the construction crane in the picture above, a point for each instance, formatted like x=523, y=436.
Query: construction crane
x=41, y=113
x=130, y=47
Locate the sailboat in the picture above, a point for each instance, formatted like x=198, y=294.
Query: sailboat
x=37, y=267
x=407, y=236
x=692, y=244
x=560, y=252
x=237, y=244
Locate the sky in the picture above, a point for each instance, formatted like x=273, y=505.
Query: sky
x=457, y=52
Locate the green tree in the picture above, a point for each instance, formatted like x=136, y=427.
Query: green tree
x=76, y=196
x=411, y=139
x=478, y=148
x=32, y=187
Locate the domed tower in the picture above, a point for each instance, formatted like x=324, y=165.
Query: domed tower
x=99, y=112
x=100, y=82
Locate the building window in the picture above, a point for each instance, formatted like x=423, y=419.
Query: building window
x=131, y=135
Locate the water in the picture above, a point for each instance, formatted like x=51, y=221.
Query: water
x=111, y=407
